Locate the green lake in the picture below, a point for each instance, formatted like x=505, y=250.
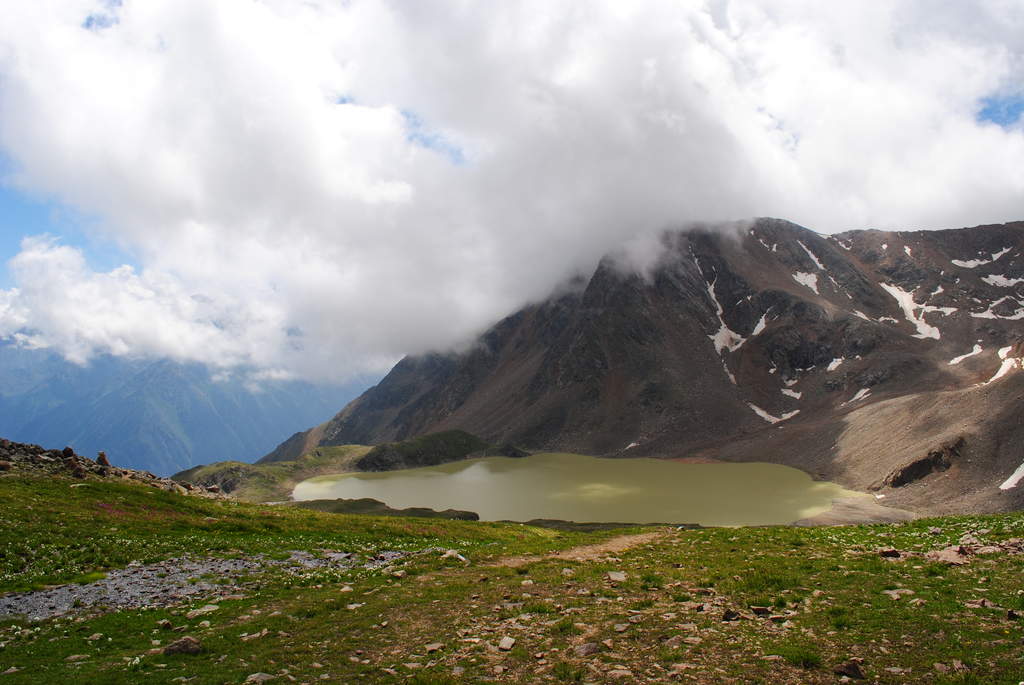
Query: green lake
x=575, y=487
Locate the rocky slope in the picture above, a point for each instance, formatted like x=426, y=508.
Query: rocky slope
x=20, y=459
x=882, y=360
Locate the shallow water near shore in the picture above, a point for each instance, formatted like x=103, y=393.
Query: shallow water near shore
x=574, y=487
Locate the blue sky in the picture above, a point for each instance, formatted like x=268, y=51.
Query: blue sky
x=22, y=215
x=1004, y=110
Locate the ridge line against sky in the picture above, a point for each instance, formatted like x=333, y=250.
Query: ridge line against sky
x=313, y=189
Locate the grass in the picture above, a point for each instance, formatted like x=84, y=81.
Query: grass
x=828, y=594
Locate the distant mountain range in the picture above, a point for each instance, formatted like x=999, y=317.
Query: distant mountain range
x=885, y=361
x=159, y=416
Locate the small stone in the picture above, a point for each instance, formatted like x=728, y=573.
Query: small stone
x=259, y=678
x=616, y=576
x=11, y=671
x=399, y=574
x=620, y=673
x=527, y=582
x=185, y=645
x=164, y=624
x=434, y=647
x=202, y=611
x=102, y=460
x=6, y=466
x=934, y=530
x=452, y=554
x=621, y=627
x=941, y=668
x=346, y=588
x=587, y=649
x=506, y=643
x=636, y=618
x=413, y=665
x=889, y=553
x=851, y=669
x=761, y=611
x=1012, y=615
x=692, y=640
x=94, y=637
x=458, y=670
x=608, y=644
x=730, y=615
x=897, y=593
x=77, y=657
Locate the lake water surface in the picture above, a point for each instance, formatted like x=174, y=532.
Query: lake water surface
x=574, y=487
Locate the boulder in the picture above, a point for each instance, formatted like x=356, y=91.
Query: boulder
x=185, y=645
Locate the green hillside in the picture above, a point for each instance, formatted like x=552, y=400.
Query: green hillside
x=769, y=605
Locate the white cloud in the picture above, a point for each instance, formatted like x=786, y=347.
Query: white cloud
x=261, y=162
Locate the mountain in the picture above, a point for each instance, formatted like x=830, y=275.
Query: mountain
x=885, y=361
x=155, y=415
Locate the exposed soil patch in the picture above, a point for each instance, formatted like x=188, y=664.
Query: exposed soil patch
x=596, y=552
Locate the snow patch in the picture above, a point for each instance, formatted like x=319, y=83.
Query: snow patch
x=989, y=314
x=761, y=323
x=909, y=307
x=1002, y=281
x=814, y=258
x=973, y=263
x=724, y=338
x=1014, y=478
x=956, y=360
x=835, y=363
x=1009, y=363
x=861, y=394
x=861, y=314
x=790, y=382
x=807, y=280
x=632, y=445
x=885, y=246
x=791, y=393
x=768, y=417
x=907, y=250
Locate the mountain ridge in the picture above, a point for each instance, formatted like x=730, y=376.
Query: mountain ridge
x=735, y=337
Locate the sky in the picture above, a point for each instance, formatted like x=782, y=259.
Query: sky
x=312, y=189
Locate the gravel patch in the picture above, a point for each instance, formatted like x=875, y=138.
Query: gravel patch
x=173, y=581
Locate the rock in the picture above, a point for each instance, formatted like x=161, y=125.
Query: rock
x=761, y=611
x=897, y=593
x=185, y=645
x=457, y=671
x=889, y=553
x=68, y=453
x=620, y=673
x=621, y=627
x=506, y=643
x=259, y=678
x=979, y=604
x=636, y=618
x=213, y=488
x=11, y=671
x=955, y=555
x=77, y=657
x=1012, y=615
x=452, y=554
x=730, y=615
x=587, y=649
x=6, y=466
x=851, y=669
x=434, y=647
x=400, y=573
x=164, y=624
x=102, y=460
x=202, y=611
x=78, y=472
x=94, y=637
x=692, y=640
x=616, y=576
x=934, y=530
x=679, y=668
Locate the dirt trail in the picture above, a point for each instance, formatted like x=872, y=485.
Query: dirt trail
x=586, y=552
